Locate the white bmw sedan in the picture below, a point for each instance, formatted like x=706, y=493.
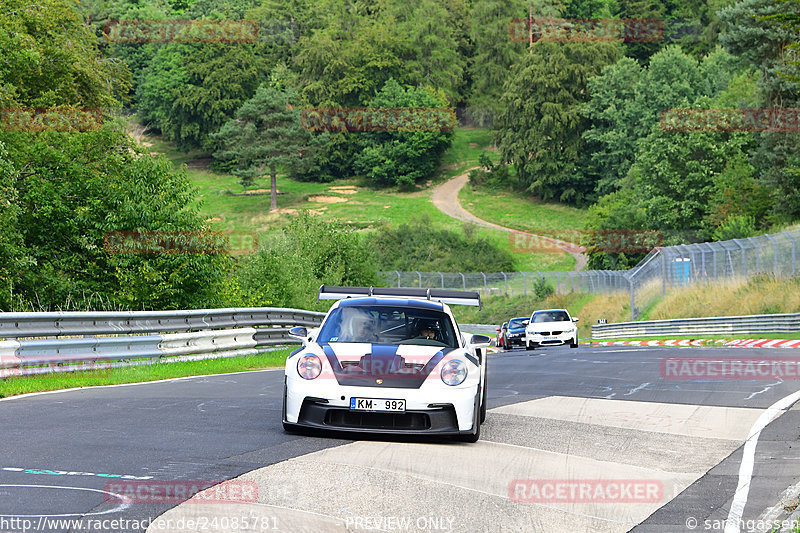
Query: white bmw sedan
x=551, y=327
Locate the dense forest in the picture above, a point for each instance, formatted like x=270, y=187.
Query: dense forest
x=578, y=121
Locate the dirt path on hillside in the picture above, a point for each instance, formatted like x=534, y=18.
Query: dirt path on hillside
x=445, y=198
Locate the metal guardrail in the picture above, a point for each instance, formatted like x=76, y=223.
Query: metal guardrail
x=723, y=325
x=37, y=343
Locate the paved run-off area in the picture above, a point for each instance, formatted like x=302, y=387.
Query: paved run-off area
x=537, y=444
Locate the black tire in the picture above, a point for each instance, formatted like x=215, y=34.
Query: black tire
x=289, y=428
x=574, y=343
x=476, y=425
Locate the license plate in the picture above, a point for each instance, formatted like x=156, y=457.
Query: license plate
x=551, y=338
x=377, y=404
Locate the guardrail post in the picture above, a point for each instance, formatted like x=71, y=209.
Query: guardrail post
x=793, y=250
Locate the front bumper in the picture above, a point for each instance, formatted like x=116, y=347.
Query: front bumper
x=429, y=410
x=563, y=337
x=518, y=338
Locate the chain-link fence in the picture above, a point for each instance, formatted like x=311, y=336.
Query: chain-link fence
x=662, y=269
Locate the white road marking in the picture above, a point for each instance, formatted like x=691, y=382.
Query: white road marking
x=170, y=380
x=119, y=508
x=748, y=460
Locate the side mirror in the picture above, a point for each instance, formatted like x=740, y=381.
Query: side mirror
x=479, y=339
x=299, y=332
x=574, y=319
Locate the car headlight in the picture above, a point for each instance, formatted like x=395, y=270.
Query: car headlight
x=309, y=366
x=454, y=372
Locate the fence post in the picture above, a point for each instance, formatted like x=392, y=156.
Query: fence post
x=505, y=278
x=442, y=276
x=744, y=257
x=663, y=273
x=793, y=250
x=524, y=283
x=774, y=255
x=633, y=300
x=484, y=280
x=558, y=280
x=463, y=280
x=419, y=279
x=398, y=278
x=758, y=253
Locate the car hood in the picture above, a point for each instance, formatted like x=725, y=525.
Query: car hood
x=387, y=365
x=550, y=326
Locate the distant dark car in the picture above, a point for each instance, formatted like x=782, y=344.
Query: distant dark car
x=501, y=335
x=514, y=332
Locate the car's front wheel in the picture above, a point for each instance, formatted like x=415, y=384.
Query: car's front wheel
x=290, y=428
x=574, y=343
x=476, y=425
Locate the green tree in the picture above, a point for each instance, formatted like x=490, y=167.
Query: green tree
x=402, y=158
x=498, y=52
x=762, y=34
x=12, y=253
x=295, y=262
x=190, y=90
x=265, y=135
x=626, y=100
x=73, y=190
x=50, y=58
x=541, y=124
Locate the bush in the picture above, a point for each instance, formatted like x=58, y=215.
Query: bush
x=542, y=289
x=289, y=268
x=417, y=245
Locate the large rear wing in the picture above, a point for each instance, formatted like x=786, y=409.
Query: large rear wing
x=439, y=295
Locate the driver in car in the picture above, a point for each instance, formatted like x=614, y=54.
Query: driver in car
x=428, y=330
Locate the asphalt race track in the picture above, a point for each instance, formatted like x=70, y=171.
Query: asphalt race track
x=596, y=417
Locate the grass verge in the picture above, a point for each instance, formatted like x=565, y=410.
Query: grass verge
x=141, y=373
x=520, y=212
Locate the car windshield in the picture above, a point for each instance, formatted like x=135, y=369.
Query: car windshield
x=517, y=323
x=385, y=324
x=550, y=316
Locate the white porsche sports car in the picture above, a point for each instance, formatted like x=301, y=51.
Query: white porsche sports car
x=388, y=360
